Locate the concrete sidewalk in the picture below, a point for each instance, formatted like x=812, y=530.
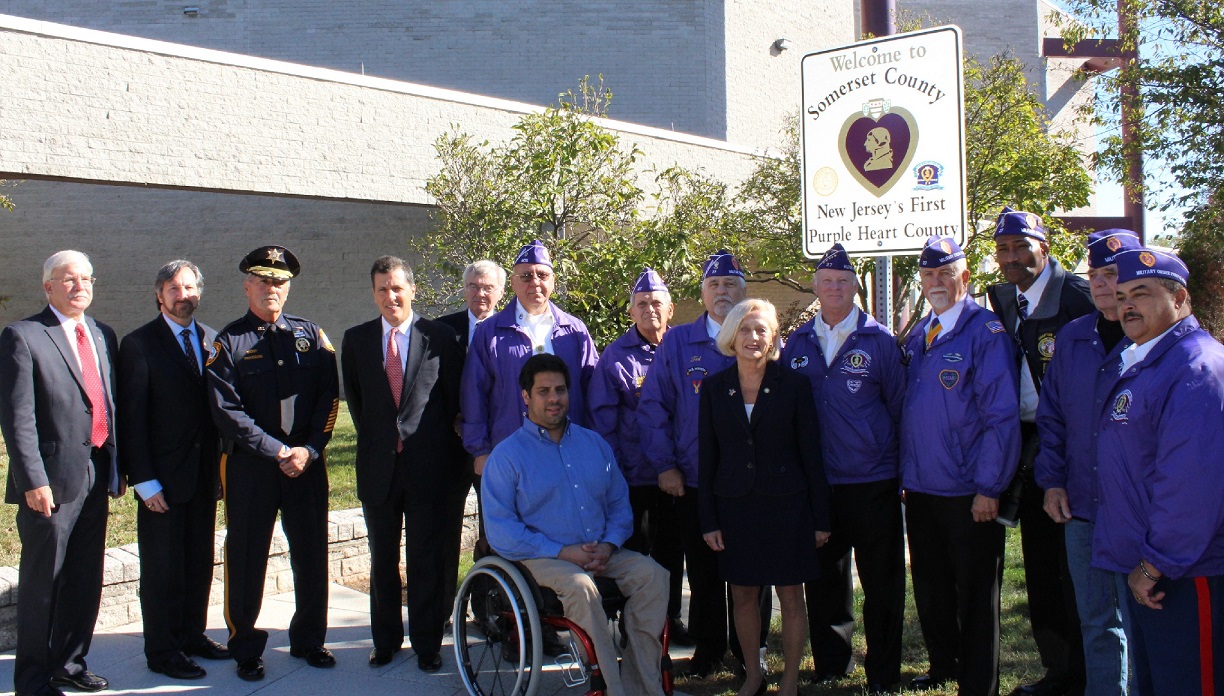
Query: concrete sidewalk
x=117, y=654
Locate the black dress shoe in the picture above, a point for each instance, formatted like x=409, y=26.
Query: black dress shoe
x=85, y=681
x=178, y=666
x=679, y=634
x=698, y=668
x=382, y=656
x=208, y=649
x=251, y=669
x=429, y=663
x=1042, y=687
x=925, y=682
x=46, y=690
x=317, y=656
x=877, y=688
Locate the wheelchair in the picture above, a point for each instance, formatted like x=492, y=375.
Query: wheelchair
x=499, y=618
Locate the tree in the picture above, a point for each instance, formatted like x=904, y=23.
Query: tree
x=1202, y=248
x=1180, y=80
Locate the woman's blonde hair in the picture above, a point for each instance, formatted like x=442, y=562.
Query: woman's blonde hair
x=731, y=325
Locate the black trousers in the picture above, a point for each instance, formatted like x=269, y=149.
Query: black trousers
x=454, y=541
x=176, y=570
x=957, y=567
x=61, y=582
x=255, y=489
x=665, y=534
x=866, y=517
x=1047, y=580
x=427, y=519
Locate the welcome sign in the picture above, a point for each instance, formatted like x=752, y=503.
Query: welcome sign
x=883, y=136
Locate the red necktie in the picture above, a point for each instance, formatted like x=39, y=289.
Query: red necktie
x=395, y=376
x=93, y=387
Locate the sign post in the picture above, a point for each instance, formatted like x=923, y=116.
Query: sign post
x=883, y=143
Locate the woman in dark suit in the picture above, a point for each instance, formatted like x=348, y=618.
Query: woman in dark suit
x=761, y=487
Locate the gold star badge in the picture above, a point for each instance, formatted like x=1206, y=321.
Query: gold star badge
x=275, y=255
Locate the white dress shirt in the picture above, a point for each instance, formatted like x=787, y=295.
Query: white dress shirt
x=832, y=337
x=538, y=328
x=401, y=339
x=1137, y=352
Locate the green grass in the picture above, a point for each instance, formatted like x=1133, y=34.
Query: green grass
x=121, y=528
x=1018, y=659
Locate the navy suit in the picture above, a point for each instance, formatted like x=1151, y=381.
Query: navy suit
x=46, y=418
x=170, y=436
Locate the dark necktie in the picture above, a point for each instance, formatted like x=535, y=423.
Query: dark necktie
x=191, y=355
x=93, y=388
x=1021, y=312
x=395, y=376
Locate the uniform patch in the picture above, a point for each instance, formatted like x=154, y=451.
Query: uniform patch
x=695, y=375
x=953, y=357
x=1121, y=407
x=949, y=378
x=798, y=362
x=856, y=362
x=302, y=344
x=995, y=326
x=1113, y=243
x=324, y=343
x=637, y=381
x=1045, y=346
x=1147, y=259
x=212, y=355
x=854, y=385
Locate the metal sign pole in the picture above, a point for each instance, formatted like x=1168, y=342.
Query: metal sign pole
x=879, y=18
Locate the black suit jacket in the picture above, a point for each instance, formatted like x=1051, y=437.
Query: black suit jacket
x=459, y=322
x=164, y=416
x=1066, y=296
x=425, y=419
x=776, y=452
x=44, y=412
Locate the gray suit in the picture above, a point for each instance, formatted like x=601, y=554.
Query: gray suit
x=46, y=419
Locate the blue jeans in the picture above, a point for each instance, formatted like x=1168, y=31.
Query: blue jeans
x=1096, y=596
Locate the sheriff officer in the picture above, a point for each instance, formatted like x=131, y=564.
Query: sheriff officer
x=275, y=394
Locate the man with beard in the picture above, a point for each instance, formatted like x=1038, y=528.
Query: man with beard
x=960, y=440
x=1066, y=466
x=170, y=458
x=1160, y=525
x=1038, y=299
x=275, y=394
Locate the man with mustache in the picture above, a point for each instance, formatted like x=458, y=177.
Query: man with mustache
x=57, y=414
x=1038, y=299
x=275, y=394
x=1160, y=525
x=960, y=440
x=170, y=458
x=1066, y=466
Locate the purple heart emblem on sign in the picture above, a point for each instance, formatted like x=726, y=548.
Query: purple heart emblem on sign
x=878, y=144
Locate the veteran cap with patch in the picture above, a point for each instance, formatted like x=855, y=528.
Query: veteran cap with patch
x=721, y=263
x=271, y=261
x=1134, y=264
x=939, y=251
x=649, y=281
x=1105, y=245
x=1017, y=222
x=535, y=253
x=835, y=259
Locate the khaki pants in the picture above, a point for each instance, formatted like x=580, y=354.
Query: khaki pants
x=640, y=579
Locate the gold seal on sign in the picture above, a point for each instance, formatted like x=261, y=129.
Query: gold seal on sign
x=825, y=181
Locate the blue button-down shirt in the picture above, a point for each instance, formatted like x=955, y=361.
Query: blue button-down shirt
x=539, y=495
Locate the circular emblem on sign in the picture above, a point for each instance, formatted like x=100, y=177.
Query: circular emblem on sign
x=1147, y=259
x=302, y=344
x=1045, y=346
x=1113, y=243
x=824, y=181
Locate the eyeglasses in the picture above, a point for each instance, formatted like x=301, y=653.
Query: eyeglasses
x=528, y=276
x=70, y=281
x=483, y=289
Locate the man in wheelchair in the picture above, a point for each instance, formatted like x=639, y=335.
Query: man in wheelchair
x=555, y=500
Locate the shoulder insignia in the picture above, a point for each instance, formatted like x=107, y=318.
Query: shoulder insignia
x=212, y=355
x=995, y=326
x=324, y=343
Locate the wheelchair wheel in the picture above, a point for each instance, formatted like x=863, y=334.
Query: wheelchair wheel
x=497, y=631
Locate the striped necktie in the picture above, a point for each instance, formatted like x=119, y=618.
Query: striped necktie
x=932, y=332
